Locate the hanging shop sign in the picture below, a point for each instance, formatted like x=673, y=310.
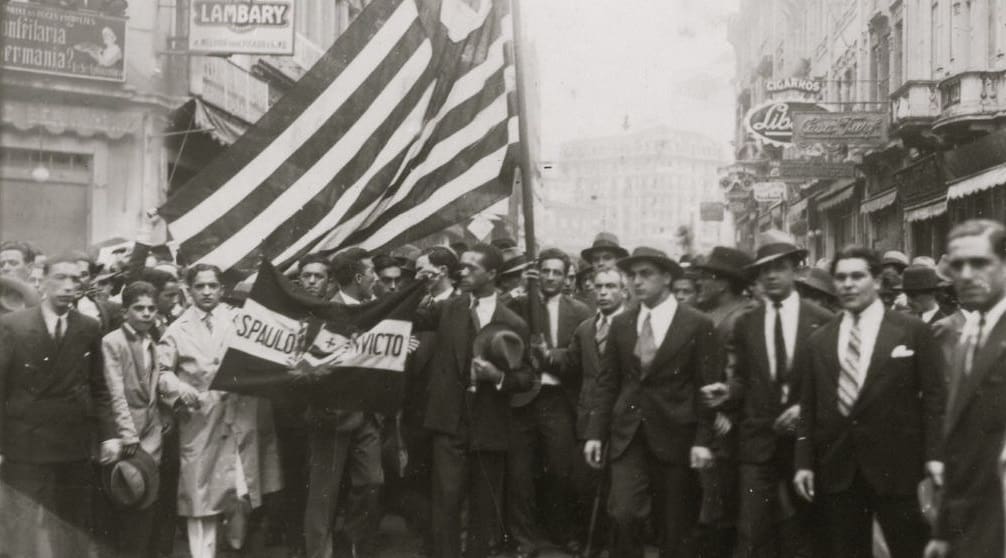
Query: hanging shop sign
x=840, y=128
x=769, y=191
x=793, y=84
x=772, y=122
x=814, y=170
x=241, y=27
x=47, y=40
x=711, y=211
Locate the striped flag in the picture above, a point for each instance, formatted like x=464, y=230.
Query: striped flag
x=405, y=126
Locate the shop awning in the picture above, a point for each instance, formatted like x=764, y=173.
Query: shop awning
x=977, y=182
x=878, y=202
x=836, y=194
x=797, y=207
x=197, y=116
x=926, y=211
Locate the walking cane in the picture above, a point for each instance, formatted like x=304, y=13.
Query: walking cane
x=597, y=505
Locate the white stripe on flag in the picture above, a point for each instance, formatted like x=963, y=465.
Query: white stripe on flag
x=398, y=142
x=327, y=166
x=289, y=140
x=478, y=174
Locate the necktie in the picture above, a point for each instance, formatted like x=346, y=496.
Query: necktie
x=781, y=364
x=58, y=333
x=646, y=345
x=475, y=314
x=848, y=379
x=974, y=344
x=601, y=337
x=208, y=320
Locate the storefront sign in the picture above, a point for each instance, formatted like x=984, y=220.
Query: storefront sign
x=793, y=84
x=840, y=128
x=772, y=122
x=229, y=88
x=769, y=191
x=711, y=211
x=241, y=27
x=814, y=170
x=47, y=40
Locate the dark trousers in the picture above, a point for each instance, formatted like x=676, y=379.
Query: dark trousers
x=134, y=532
x=591, y=489
x=47, y=509
x=844, y=522
x=166, y=506
x=543, y=444
x=459, y=472
x=357, y=453
x=293, y=454
x=640, y=483
x=774, y=522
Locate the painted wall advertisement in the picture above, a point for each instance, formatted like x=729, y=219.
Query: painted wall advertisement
x=241, y=27
x=47, y=40
x=845, y=128
x=772, y=122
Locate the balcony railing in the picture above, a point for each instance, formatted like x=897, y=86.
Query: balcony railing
x=970, y=96
x=915, y=102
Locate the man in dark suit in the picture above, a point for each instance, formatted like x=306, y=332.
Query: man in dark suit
x=649, y=410
x=768, y=357
x=921, y=285
x=543, y=420
x=89, y=303
x=970, y=521
x=56, y=408
x=344, y=441
x=582, y=360
x=871, y=419
x=469, y=408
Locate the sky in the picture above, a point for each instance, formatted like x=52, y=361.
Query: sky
x=651, y=61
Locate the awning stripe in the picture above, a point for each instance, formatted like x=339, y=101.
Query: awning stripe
x=876, y=203
x=836, y=199
x=927, y=211
x=977, y=182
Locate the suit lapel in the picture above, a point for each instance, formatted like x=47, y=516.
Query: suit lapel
x=887, y=338
x=831, y=355
x=678, y=333
x=460, y=318
x=629, y=335
x=761, y=349
x=135, y=345
x=987, y=356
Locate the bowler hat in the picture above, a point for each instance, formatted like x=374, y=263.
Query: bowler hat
x=604, y=241
x=15, y=295
x=654, y=256
x=819, y=280
x=727, y=261
x=132, y=483
x=895, y=258
x=918, y=278
x=514, y=261
x=500, y=345
x=773, y=245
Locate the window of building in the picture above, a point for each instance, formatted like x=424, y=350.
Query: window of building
x=897, y=56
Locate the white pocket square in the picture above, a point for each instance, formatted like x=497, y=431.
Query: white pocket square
x=901, y=351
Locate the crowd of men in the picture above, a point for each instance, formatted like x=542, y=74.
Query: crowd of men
x=728, y=404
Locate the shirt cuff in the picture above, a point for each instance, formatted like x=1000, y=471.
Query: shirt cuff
x=499, y=384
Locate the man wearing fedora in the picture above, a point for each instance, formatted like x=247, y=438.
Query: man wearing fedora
x=54, y=409
x=605, y=252
x=722, y=279
x=766, y=365
x=468, y=407
x=871, y=419
x=130, y=356
x=648, y=410
x=543, y=421
x=921, y=285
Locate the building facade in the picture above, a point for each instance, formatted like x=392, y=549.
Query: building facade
x=645, y=186
x=105, y=109
x=929, y=71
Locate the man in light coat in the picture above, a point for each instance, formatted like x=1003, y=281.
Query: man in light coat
x=229, y=457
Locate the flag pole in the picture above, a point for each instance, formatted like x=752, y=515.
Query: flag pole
x=526, y=170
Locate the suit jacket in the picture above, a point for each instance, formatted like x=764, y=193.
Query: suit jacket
x=572, y=313
x=895, y=424
x=481, y=418
x=55, y=400
x=133, y=389
x=971, y=517
x=753, y=387
x=581, y=360
x=665, y=401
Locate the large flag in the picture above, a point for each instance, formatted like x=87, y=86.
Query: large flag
x=351, y=357
x=405, y=126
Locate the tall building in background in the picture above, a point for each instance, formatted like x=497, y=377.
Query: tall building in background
x=646, y=186
x=926, y=78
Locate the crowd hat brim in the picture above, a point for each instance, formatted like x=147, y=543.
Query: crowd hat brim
x=604, y=242
x=777, y=251
x=132, y=483
x=651, y=255
x=919, y=279
x=730, y=262
x=500, y=345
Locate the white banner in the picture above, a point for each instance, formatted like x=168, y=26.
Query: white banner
x=265, y=334
x=246, y=27
x=383, y=348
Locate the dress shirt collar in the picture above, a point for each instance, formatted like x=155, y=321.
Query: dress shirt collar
x=349, y=300
x=443, y=296
x=49, y=316
x=992, y=317
x=132, y=331
x=484, y=300
x=789, y=304
x=928, y=314
x=872, y=313
x=662, y=313
x=602, y=316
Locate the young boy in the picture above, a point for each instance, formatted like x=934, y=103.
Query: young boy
x=131, y=374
